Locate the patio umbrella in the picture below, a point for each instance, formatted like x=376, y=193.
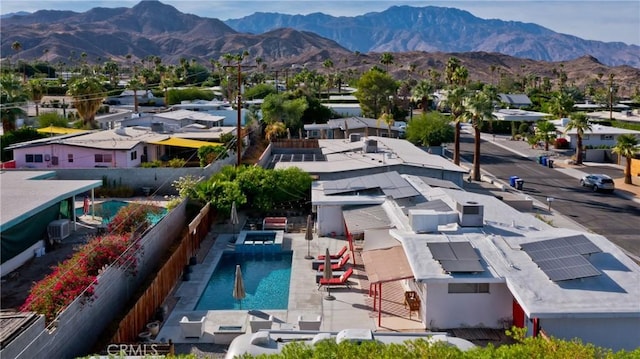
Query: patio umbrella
x=309, y=236
x=327, y=273
x=238, y=286
x=234, y=218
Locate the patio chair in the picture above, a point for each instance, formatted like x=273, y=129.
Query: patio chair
x=257, y=324
x=342, y=280
x=338, y=266
x=309, y=324
x=334, y=256
x=192, y=328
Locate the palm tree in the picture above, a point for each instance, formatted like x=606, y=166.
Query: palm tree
x=388, y=119
x=580, y=123
x=452, y=64
x=35, y=90
x=546, y=131
x=88, y=94
x=17, y=47
x=455, y=102
x=274, y=129
x=135, y=84
x=12, y=98
x=478, y=108
x=386, y=59
x=424, y=91
x=561, y=105
x=627, y=146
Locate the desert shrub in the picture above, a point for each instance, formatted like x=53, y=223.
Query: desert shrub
x=176, y=163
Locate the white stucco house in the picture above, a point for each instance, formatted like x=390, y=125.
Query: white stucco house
x=474, y=261
x=598, y=136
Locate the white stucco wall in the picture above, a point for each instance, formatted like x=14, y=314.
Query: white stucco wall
x=329, y=220
x=82, y=157
x=614, y=333
x=456, y=310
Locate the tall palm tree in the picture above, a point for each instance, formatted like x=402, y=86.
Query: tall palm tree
x=455, y=102
x=450, y=68
x=386, y=59
x=12, y=98
x=35, y=90
x=424, y=91
x=388, y=120
x=135, y=84
x=88, y=94
x=478, y=108
x=627, y=147
x=580, y=123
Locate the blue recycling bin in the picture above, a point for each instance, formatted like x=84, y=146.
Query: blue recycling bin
x=539, y=160
x=512, y=180
x=544, y=161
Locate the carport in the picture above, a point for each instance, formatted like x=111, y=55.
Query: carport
x=384, y=261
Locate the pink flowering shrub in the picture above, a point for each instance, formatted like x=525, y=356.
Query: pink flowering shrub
x=132, y=218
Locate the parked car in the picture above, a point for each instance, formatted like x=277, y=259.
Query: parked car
x=598, y=182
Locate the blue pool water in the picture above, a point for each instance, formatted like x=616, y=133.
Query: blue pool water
x=108, y=209
x=266, y=281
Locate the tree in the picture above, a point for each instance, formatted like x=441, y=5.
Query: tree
x=12, y=97
x=627, y=147
x=52, y=119
x=450, y=68
x=17, y=47
x=455, y=103
x=374, y=91
x=430, y=129
x=388, y=120
x=386, y=59
x=35, y=90
x=423, y=91
x=561, y=105
x=88, y=94
x=478, y=108
x=546, y=132
x=580, y=123
x=135, y=85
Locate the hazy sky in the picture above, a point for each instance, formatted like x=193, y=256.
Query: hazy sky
x=591, y=20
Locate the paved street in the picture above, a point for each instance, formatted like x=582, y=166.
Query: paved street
x=611, y=215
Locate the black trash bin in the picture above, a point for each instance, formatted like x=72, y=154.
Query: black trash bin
x=550, y=163
x=519, y=184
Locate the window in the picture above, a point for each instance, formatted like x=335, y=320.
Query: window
x=103, y=158
x=70, y=157
x=468, y=287
x=606, y=137
x=33, y=158
x=134, y=155
x=54, y=160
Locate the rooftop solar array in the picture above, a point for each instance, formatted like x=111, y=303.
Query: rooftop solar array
x=391, y=184
x=456, y=256
x=562, y=258
x=298, y=157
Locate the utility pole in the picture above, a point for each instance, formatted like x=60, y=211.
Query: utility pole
x=611, y=97
x=239, y=107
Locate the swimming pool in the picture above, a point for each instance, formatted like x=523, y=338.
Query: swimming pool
x=107, y=209
x=266, y=279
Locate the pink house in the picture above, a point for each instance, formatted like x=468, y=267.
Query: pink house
x=120, y=148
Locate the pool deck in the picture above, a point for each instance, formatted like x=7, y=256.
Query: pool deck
x=351, y=308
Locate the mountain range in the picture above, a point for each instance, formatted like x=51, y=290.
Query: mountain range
x=422, y=36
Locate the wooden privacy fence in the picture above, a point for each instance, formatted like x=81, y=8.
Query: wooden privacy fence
x=167, y=277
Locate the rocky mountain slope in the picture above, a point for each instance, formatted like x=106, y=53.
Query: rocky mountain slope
x=430, y=28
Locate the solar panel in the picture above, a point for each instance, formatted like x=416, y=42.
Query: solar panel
x=561, y=258
x=568, y=268
x=464, y=251
x=453, y=266
x=456, y=256
x=441, y=251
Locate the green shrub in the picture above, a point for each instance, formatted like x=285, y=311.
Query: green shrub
x=176, y=163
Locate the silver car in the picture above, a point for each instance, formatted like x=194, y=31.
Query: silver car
x=598, y=182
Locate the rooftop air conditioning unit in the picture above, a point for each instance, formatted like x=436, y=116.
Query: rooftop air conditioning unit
x=354, y=137
x=471, y=214
x=58, y=230
x=370, y=146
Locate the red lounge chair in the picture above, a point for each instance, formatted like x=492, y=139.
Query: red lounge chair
x=342, y=280
x=337, y=266
x=335, y=256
